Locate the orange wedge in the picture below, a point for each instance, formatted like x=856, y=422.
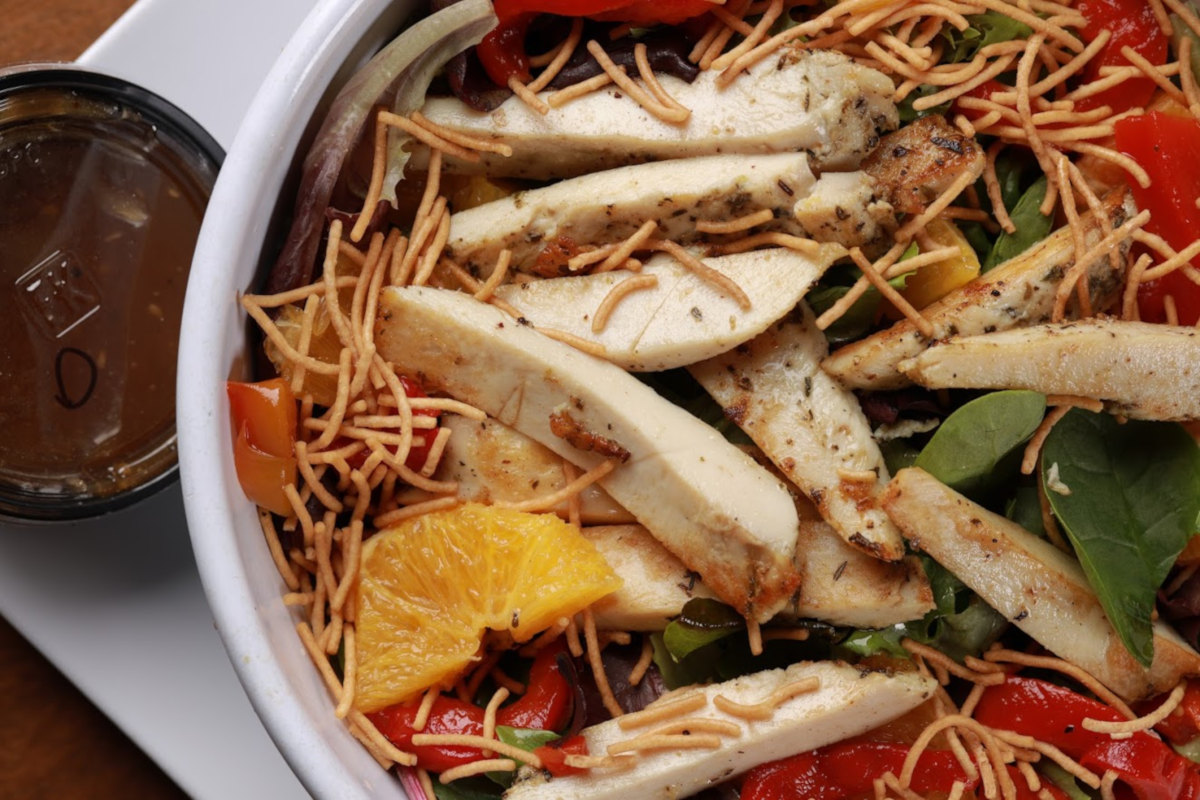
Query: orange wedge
x=431, y=586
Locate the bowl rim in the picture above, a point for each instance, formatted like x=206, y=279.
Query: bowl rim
x=228, y=544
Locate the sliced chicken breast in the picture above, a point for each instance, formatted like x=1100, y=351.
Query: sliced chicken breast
x=821, y=102
x=704, y=499
x=682, y=318
x=844, y=586
x=1018, y=293
x=1039, y=588
x=812, y=429
x=544, y=227
x=841, y=585
x=847, y=701
x=493, y=463
x=1140, y=370
x=656, y=583
x=917, y=163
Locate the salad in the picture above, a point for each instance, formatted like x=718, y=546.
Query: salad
x=751, y=400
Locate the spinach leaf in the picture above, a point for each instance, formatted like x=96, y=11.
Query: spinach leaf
x=1133, y=503
x=898, y=454
x=1031, y=226
x=858, y=319
x=1025, y=509
x=676, y=673
x=969, y=448
x=1011, y=168
x=702, y=622
x=712, y=645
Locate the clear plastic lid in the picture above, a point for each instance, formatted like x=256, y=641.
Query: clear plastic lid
x=103, y=186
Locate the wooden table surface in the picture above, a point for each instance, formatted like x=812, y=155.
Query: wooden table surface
x=53, y=742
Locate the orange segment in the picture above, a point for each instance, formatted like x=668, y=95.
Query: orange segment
x=431, y=586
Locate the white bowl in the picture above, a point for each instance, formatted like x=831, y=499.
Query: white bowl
x=243, y=586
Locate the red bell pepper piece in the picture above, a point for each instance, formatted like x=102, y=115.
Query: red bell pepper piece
x=502, y=51
x=1183, y=724
x=554, y=756
x=847, y=770
x=546, y=705
x=448, y=715
x=657, y=12
x=642, y=12
x=1054, y=714
x=1168, y=148
x=983, y=91
x=548, y=700
x=418, y=453
x=264, y=433
x=1133, y=25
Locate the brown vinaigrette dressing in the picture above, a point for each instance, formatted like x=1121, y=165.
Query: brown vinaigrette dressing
x=99, y=213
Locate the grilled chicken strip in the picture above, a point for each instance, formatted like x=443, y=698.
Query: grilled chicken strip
x=1018, y=293
x=543, y=227
x=841, y=584
x=704, y=499
x=847, y=702
x=816, y=101
x=920, y=161
x=1139, y=370
x=812, y=429
x=492, y=463
x=683, y=318
x=844, y=586
x=1042, y=590
x=656, y=583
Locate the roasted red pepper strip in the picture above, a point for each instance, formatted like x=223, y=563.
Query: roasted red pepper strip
x=547, y=702
x=502, y=51
x=264, y=433
x=546, y=705
x=418, y=453
x=1133, y=25
x=1168, y=148
x=642, y=12
x=847, y=771
x=1055, y=714
x=448, y=715
x=554, y=756
x=1183, y=724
